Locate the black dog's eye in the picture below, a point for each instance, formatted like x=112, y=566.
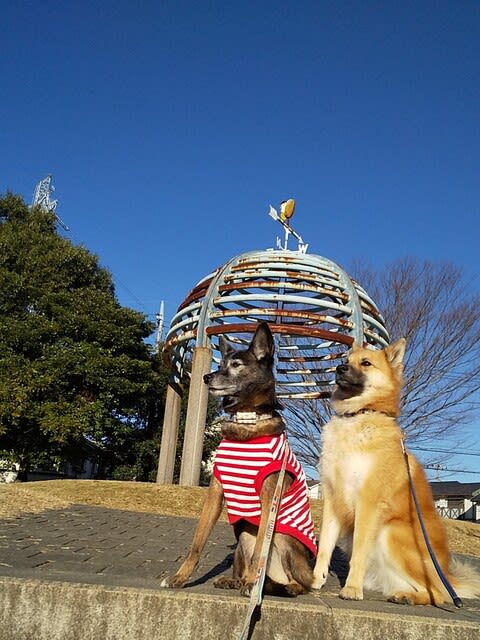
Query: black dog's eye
x=235, y=364
x=366, y=363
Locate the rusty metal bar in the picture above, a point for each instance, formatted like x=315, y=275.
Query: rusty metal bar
x=286, y=285
x=290, y=329
x=315, y=318
x=281, y=297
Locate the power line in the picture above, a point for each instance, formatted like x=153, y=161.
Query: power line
x=456, y=452
x=124, y=286
x=435, y=467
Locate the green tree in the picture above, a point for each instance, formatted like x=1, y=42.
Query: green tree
x=73, y=361
x=136, y=456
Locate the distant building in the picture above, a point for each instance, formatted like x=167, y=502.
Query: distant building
x=457, y=500
x=90, y=463
x=314, y=489
x=8, y=471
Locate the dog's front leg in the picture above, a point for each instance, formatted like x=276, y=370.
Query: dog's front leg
x=368, y=516
x=211, y=510
x=266, y=496
x=329, y=533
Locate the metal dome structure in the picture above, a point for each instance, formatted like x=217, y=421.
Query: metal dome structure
x=314, y=309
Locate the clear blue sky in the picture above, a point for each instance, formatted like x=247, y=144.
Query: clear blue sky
x=169, y=127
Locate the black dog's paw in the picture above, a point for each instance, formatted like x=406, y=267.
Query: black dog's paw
x=246, y=589
x=294, y=589
x=227, y=583
x=173, y=582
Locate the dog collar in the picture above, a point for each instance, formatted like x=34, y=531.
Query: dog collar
x=356, y=413
x=250, y=417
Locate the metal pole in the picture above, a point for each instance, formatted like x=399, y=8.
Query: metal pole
x=196, y=415
x=159, y=333
x=168, y=448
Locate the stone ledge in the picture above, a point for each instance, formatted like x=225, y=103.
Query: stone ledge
x=52, y=610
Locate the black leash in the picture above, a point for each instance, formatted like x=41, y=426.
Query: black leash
x=456, y=600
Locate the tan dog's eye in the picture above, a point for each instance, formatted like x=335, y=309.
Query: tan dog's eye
x=235, y=364
x=366, y=363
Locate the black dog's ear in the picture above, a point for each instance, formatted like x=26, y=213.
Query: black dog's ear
x=262, y=345
x=225, y=347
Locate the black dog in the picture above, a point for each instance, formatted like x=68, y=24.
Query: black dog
x=246, y=469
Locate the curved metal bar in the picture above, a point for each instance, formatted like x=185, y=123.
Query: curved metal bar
x=309, y=301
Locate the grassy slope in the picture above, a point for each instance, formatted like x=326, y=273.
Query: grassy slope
x=172, y=500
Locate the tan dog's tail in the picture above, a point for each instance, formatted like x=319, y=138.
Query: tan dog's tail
x=466, y=579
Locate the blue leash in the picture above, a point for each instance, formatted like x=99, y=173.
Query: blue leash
x=456, y=600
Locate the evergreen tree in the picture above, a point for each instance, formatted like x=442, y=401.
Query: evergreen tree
x=73, y=361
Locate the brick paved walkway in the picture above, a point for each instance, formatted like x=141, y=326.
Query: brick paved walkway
x=109, y=547
x=105, y=546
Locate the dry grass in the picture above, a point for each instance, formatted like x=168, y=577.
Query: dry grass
x=171, y=500
x=463, y=537
x=33, y=497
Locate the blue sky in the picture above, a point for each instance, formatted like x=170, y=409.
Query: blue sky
x=169, y=128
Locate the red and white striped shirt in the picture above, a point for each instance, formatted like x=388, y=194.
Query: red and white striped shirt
x=241, y=467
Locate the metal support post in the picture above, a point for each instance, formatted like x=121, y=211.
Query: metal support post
x=196, y=416
x=168, y=448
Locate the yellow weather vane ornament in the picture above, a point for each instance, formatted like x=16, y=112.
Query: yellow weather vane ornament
x=287, y=208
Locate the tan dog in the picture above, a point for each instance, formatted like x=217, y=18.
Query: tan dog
x=367, y=498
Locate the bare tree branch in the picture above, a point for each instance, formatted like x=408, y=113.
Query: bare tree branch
x=438, y=312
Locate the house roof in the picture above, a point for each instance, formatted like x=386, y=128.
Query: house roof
x=455, y=489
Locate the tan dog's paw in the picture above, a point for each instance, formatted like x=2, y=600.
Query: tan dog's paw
x=422, y=597
x=401, y=598
x=351, y=593
x=318, y=581
x=320, y=572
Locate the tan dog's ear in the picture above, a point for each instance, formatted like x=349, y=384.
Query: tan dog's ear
x=355, y=347
x=395, y=353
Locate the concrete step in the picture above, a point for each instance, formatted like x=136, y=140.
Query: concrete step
x=89, y=573
x=37, y=610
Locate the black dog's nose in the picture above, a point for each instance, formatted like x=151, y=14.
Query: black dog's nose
x=207, y=377
x=342, y=368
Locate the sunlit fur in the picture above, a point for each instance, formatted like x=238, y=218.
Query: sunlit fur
x=368, y=504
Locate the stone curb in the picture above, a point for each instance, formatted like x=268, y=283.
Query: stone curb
x=38, y=610
x=85, y=572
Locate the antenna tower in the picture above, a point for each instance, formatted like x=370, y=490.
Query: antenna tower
x=41, y=198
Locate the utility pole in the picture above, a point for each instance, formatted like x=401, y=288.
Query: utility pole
x=160, y=318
